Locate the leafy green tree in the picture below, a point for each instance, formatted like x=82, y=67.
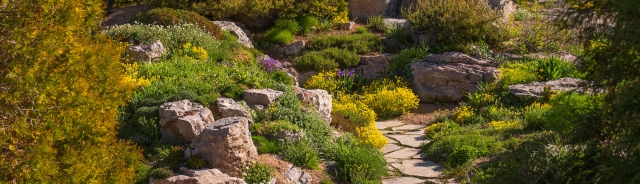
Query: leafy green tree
x=61, y=84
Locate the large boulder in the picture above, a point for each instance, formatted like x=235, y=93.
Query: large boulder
x=506, y=7
x=536, y=89
x=446, y=77
x=262, y=97
x=146, y=53
x=238, y=29
x=303, y=77
x=181, y=121
x=205, y=176
x=227, y=107
x=297, y=176
x=374, y=66
x=226, y=144
x=320, y=99
x=363, y=9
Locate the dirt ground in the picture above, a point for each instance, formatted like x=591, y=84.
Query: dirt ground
x=426, y=113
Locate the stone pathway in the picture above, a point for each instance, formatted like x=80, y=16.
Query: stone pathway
x=403, y=154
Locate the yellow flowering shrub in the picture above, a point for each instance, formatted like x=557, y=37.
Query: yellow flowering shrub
x=389, y=98
x=503, y=125
x=357, y=118
x=341, y=17
x=516, y=73
x=440, y=129
x=194, y=52
x=463, y=113
x=370, y=136
x=355, y=111
x=327, y=81
x=131, y=76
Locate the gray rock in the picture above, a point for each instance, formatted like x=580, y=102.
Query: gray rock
x=448, y=76
x=403, y=180
x=405, y=153
x=303, y=77
x=410, y=140
x=536, y=89
x=238, y=29
x=226, y=144
x=287, y=50
x=320, y=99
x=374, y=67
x=297, y=176
x=146, y=53
x=227, y=107
x=506, y=7
x=390, y=147
x=394, y=23
x=262, y=97
x=363, y=9
x=407, y=127
x=347, y=26
x=205, y=176
x=420, y=168
x=182, y=121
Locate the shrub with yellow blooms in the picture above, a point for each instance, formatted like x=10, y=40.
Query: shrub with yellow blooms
x=389, y=98
x=463, y=113
x=440, y=129
x=503, y=125
x=193, y=53
x=357, y=118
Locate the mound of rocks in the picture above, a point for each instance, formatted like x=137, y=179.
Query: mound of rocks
x=449, y=76
x=181, y=121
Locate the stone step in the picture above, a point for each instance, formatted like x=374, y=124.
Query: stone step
x=403, y=180
x=405, y=153
x=407, y=127
x=410, y=140
x=388, y=123
x=419, y=168
x=390, y=147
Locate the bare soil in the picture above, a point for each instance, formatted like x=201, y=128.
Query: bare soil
x=426, y=113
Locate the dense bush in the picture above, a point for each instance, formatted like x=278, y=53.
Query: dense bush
x=359, y=43
x=358, y=119
x=300, y=153
x=400, y=62
x=534, y=115
x=161, y=173
x=327, y=59
x=62, y=85
x=336, y=82
x=458, y=22
x=271, y=128
x=287, y=24
x=197, y=162
x=278, y=36
x=357, y=164
x=389, y=98
x=307, y=22
x=170, y=17
x=461, y=149
x=377, y=22
x=443, y=128
x=512, y=73
x=554, y=68
x=258, y=173
x=265, y=145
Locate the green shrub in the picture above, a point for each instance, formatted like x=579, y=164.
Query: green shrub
x=377, y=22
x=307, y=22
x=522, y=14
x=161, y=173
x=197, y=162
x=175, y=156
x=357, y=164
x=440, y=129
x=170, y=17
x=458, y=150
x=327, y=59
x=278, y=36
x=258, y=173
x=554, y=68
x=512, y=73
x=142, y=173
x=400, y=63
x=265, y=145
x=566, y=109
x=289, y=25
x=389, y=98
x=542, y=35
x=274, y=127
x=482, y=97
x=172, y=37
x=300, y=153
x=362, y=30
x=458, y=22
x=360, y=43
x=534, y=115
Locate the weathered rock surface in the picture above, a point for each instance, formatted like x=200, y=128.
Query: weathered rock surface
x=390, y=148
x=363, y=9
x=447, y=76
x=347, y=25
x=410, y=140
x=297, y=176
x=536, y=89
x=388, y=123
x=405, y=153
x=287, y=50
x=506, y=7
x=206, y=176
x=181, y=121
x=374, y=67
x=320, y=99
x=262, y=97
x=403, y=180
x=303, y=77
x=394, y=23
x=420, y=168
x=238, y=29
x=146, y=53
x=228, y=107
x=226, y=144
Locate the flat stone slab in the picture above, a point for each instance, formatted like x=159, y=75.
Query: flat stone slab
x=403, y=180
x=420, y=168
x=410, y=140
x=389, y=123
x=391, y=141
x=418, y=156
x=391, y=160
x=390, y=147
x=403, y=153
x=419, y=132
x=407, y=127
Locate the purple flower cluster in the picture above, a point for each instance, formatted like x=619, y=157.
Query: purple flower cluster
x=270, y=65
x=343, y=73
